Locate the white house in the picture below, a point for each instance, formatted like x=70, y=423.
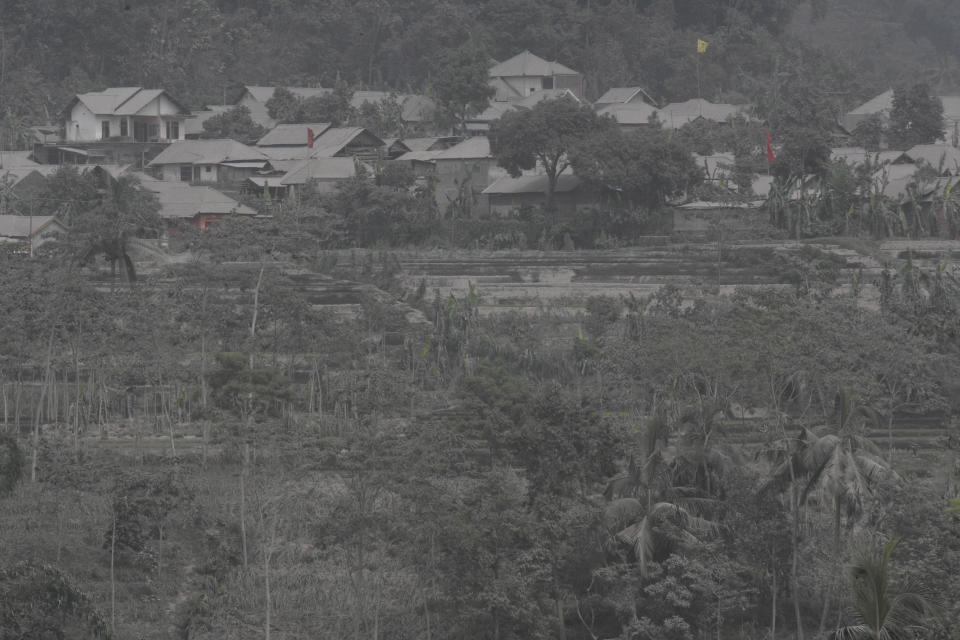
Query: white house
x=124, y=114
x=526, y=73
x=216, y=161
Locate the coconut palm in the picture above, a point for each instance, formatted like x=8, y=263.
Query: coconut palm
x=885, y=612
x=664, y=526
x=842, y=467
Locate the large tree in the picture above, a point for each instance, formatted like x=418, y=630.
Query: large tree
x=916, y=117
x=461, y=84
x=234, y=123
x=544, y=135
x=643, y=168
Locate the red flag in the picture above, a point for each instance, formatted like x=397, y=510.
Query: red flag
x=310, y=138
x=770, y=156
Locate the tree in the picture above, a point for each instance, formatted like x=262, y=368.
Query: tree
x=886, y=612
x=643, y=168
x=544, y=135
x=40, y=602
x=283, y=105
x=869, y=132
x=916, y=117
x=462, y=84
x=234, y=123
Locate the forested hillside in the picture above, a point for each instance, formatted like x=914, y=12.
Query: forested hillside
x=204, y=50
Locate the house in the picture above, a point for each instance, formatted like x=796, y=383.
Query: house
x=344, y=142
x=881, y=105
x=432, y=143
x=255, y=99
x=462, y=173
x=526, y=73
x=630, y=116
x=677, y=114
x=507, y=195
x=623, y=95
x=127, y=113
x=537, y=97
x=216, y=161
x=944, y=158
x=393, y=148
x=420, y=162
x=25, y=179
x=200, y=206
x=479, y=124
x=323, y=173
x=29, y=230
x=292, y=135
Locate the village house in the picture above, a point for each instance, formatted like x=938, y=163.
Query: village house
x=623, y=95
x=200, y=206
x=508, y=195
x=414, y=109
x=882, y=104
x=463, y=172
x=322, y=174
x=294, y=136
x=343, y=142
x=29, y=231
x=630, y=116
x=120, y=125
x=223, y=162
x=677, y=114
x=526, y=73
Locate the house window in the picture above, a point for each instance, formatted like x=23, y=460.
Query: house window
x=186, y=172
x=153, y=131
x=208, y=168
x=173, y=130
x=548, y=83
x=123, y=128
x=105, y=129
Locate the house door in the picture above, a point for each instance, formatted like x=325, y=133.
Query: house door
x=140, y=131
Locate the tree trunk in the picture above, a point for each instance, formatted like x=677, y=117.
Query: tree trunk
x=243, y=520
x=773, y=595
x=113, y=581
x=266, y=587
x=795, y=543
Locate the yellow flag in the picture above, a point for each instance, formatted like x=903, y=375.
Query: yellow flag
x=701, y=45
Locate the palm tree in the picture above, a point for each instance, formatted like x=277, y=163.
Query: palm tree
x=665, y=527
x=885, y=612
x=842, y=467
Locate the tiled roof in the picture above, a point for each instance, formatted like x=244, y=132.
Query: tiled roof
x=470, y=149
x=334, y=140
x=528, y=64
x=620, y=95
x=122, y=101
x=207, y=152
x=291, y=135
x=320, y=169
x=23, y=226
x=630, y=113
x=182, y=200
x=933, y=154
x=544, y=94
x=677, y=114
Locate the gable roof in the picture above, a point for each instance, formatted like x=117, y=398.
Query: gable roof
x=528, y=64
x=932, y=154
x=433, y=143
x=470, y=149
x=630, y=113
x=183, y=200
x=418, y=156
x=543, y=94
x=121, y=101
x=291, y=135
x=877, y=104
x=622, y=95
x=262, y=94
x=857, y=155
x=9, y=159
x=320, y=169
x=336, y=139
x=215, y=151
x=278, y=154
x=25, y=226
x=677, y=114
x=506, y=185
